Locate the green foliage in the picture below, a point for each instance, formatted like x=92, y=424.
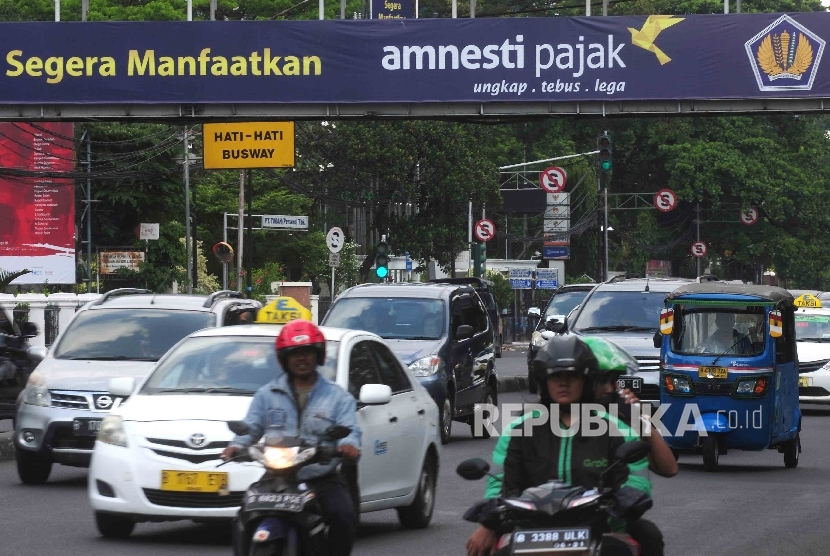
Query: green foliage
x=501, y=289
x=347, y=274
x=7, y=277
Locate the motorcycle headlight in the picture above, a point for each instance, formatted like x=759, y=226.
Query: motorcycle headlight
x=279, y=458
x=112, y=431
x=426, y=366
x=36, y=392
x=537, y=340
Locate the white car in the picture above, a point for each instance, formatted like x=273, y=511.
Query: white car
x=812, y=334
x=156, y=456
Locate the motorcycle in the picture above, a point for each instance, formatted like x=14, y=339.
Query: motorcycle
x=280, y=515
x=555, y=518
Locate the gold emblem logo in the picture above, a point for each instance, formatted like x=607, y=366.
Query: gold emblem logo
x=785, y=55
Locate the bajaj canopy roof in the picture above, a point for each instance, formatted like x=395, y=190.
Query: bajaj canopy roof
x=770, y=293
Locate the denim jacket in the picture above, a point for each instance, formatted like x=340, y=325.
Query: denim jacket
x=275, y=408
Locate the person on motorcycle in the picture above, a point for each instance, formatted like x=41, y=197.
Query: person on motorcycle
x=543, y=456
x=301, y=402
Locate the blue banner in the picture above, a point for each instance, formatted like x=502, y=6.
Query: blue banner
x=418, y=60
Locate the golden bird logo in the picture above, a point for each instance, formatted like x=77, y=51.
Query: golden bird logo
x=645, y=37
x=785, y=55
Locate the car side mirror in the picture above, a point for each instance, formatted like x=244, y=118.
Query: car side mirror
x=473, y=469
x=375, y=394
x=37, y=353
x=658, y=339
x=557, y=323
x=28, y=330
x=534, y=312
x=464, y=332
x=632, y=452
x=121, y=387
x=239, y=428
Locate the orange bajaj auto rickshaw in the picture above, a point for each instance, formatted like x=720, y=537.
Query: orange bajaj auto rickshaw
x=729, y=371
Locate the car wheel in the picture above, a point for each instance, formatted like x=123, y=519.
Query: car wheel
x=419, y=513
x=446, y=421
x=114, y=526
x=792, y=448
x=32, y=469
x=489, y=399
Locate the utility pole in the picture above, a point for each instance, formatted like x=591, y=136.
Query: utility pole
x=195, y=244
x=87, y=214
x=470, y=236
x=250, y=233
x=187, y=247
x=605, y=235
x=698, y=237
x=240, y=231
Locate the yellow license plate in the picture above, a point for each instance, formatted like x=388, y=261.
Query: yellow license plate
x=193, y=481
x=805, y=381
x=713, y=372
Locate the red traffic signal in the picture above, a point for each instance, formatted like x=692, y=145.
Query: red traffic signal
x=223, y=252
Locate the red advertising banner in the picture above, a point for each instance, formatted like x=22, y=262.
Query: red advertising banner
x=37, y=209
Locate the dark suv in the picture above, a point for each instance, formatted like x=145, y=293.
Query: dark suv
x=483, y=289
x=561, y=303
x=627, y=312
x=15, y=365
x=440, y=331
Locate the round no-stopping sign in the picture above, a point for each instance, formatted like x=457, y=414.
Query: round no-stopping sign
x=665, y=200
x=699, y=249
x=749, y=217
x=485, y=230
x=553, y=179
x=335, y=240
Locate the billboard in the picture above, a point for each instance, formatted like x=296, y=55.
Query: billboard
x=37, y=211
x=480, y=60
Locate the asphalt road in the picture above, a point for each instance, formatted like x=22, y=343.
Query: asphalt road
x=752, y=505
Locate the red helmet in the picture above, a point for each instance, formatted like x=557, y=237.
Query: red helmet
x=300, y=334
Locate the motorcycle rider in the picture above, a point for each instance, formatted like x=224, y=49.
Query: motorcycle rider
x=532, y=460
x=302, y=402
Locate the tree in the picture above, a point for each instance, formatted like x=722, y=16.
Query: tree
x=501, y=289
x=7, y=277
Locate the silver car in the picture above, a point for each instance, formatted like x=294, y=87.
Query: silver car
x=122, y=334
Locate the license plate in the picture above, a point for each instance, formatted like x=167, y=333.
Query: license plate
x=805, y=381
x=713, y=372
x=632, y=383
x=86, y=427
x=284, y=502
x=527, y=542
x=193, y=481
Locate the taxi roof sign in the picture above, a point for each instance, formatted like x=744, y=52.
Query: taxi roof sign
x=282, y=310
x=808, y=300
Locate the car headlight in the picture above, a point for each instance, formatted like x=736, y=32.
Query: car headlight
x=755, y=386
x=36, y=392
x=678, y=385
x=280, y=458
x=537, y=340
x=112, y=431
x=426, y=366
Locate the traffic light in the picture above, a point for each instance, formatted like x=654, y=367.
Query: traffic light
x=605, y=149
x=382, y=260
x=479, y=253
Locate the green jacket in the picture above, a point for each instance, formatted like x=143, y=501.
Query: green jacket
x=577, y=460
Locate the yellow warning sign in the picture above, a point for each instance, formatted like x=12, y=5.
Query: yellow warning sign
x=249, y=145
x=808, y=300
x=283, y=310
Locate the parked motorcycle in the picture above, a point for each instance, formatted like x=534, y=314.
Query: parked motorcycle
x=280, y=515
x=555, y=518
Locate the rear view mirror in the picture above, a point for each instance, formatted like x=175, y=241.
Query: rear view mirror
x=658, y=339
x=473, y=469
x=632, y=452
x=28, y=330
x=37, y=353
x=338, y=432
x=464, y=332
x=534, y=312
x=556, y=323
x=238, y=427
x=121, y=387
x=375, y=394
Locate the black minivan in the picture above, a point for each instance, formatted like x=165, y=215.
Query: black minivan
x=15, y=365
x=442, y=332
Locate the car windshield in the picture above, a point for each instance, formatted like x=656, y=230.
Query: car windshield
x=616, y=311
x=736, y=331
x=564, y=302
x=128, y=334
x=398, y=318
x=812, y=328
x=224, y=365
